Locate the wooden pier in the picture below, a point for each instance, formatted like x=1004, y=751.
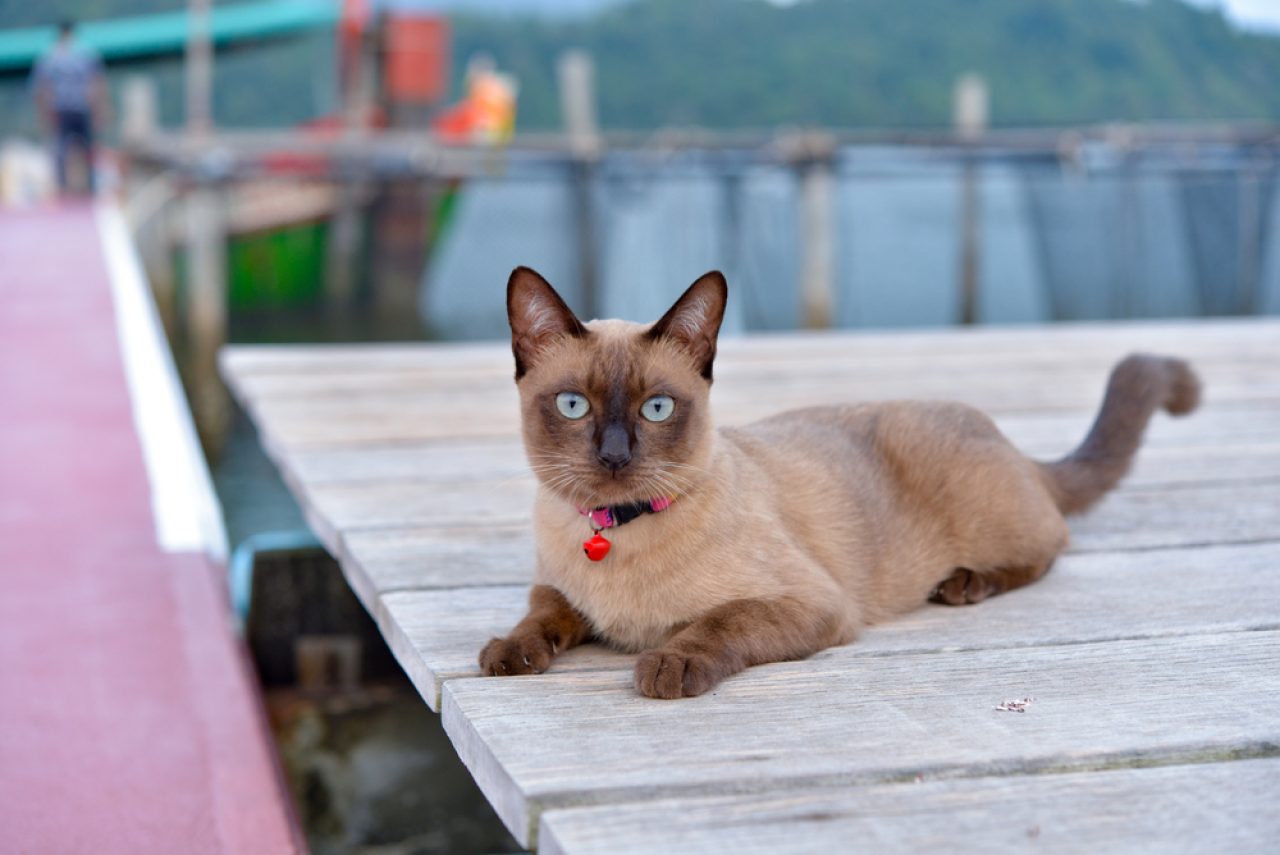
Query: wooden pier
x=1151, y=653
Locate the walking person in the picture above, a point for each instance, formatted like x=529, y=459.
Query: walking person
x=71, y=95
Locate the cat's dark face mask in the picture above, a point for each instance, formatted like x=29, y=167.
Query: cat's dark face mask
x=612, y=411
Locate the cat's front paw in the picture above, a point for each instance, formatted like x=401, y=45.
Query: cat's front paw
x=669, y=674
x=516, y=654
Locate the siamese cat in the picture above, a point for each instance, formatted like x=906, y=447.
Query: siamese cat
x=708, y=551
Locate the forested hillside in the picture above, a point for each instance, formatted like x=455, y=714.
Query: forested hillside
x=749, y=63
x=752, y=63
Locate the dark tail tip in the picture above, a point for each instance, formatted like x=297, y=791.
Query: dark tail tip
x=1184, y=388
x=1139, y=385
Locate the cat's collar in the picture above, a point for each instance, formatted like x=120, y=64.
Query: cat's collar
x=612, y=516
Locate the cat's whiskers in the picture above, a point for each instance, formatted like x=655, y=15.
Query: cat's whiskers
x=570, y=482
x=685, y=483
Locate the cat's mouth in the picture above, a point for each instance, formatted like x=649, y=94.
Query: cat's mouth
x=612, y=488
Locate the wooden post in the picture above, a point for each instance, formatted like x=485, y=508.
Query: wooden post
x=207, y=306
x=138, y=121
x=199, y=68
x=814, y=157
x=970, y=115
x=345, y=231
x=1249, y=246
x=150, y=193
x=817, y=190
x=576, y=73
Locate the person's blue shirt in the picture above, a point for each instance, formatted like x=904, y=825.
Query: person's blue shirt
x=66, y=76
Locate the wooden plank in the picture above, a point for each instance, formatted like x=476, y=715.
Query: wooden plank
x=426, y=462
x=1010, y=391
x=468, y=554
x=504, y=459
x=381, y=561
x=863, y=376
x=437, y=634
x=1241, y=336
x=571, y=739
x=1167, y=515
x=1051, y=435
x=1190, y=515
x=1205, y=807
x=440, y=556
x=332, y=425
x=464, y=554
x=245, y=360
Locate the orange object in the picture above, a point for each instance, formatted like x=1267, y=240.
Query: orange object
x=416, y=68
x=485, y=115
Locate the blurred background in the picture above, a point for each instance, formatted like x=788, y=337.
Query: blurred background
x=365, y=170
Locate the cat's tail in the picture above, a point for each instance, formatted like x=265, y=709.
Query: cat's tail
x=1139, y=384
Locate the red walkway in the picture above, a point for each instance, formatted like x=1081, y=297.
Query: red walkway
x=128, y=721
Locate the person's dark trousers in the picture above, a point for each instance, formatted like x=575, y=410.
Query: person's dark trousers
x=75, y=130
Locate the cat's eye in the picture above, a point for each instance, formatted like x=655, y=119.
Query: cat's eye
x=658, y=408
x=572, y=405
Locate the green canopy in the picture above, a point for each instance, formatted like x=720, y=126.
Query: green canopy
x=166, y=33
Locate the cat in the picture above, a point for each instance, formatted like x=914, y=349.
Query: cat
x=721, y=549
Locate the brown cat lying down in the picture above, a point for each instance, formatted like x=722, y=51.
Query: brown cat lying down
x=772, y=541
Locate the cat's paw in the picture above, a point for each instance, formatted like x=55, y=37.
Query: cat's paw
x=669, y=674
x=516, y=654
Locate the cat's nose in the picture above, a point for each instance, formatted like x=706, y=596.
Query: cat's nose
x=615, y=448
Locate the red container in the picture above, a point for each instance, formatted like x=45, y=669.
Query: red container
x=416, y=67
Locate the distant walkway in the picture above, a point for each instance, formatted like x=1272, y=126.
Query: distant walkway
x=128, y=720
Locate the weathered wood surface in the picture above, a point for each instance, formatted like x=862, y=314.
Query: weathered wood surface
x=446, y=555
x=1153, y=641
x=1113, y=596
x=1233, y=340
x=1195, y=459
x=575, y=738
x=1132, y=519
x=480, y=412
x=1203, y=807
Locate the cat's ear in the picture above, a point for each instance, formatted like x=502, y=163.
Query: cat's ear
x=694, y=321
x=537, y=316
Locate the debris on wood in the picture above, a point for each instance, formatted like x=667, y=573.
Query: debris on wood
x=1015, y=705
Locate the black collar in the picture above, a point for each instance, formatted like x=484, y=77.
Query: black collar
x=612, y=516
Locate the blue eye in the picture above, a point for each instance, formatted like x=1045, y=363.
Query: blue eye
x=572, y=405
x=658, y=408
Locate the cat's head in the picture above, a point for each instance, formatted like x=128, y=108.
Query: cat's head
x=612, y=411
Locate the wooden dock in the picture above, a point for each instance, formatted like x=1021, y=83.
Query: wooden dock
x=1151, y=652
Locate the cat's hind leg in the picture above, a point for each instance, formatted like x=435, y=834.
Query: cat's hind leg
x=967, y=587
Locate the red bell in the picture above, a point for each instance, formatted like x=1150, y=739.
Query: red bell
x=597, y=547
